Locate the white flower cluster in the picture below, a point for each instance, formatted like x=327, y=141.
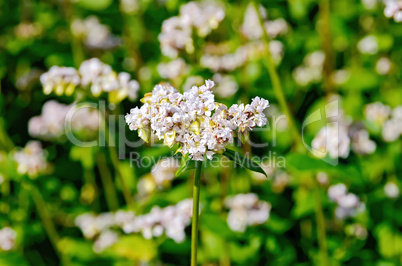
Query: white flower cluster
x=337, y=138
x=177, y=31
x=383, y=66
x=7, y=238
x=194, y=120
x=171, y=221
x=226, y=85
x=248, y=52
x=246, y=210
x=173, y=69
x=251, y=27
x=164, y=171
x=393, y=8
x=368, y=45
x=51, y=123
x=349, y=205
x=332, y=139
x=61, y=80
x=94, y=34
x=94, y=74
x=31, y=160
x=390, y=120
x=392, y=128
x=311, y=70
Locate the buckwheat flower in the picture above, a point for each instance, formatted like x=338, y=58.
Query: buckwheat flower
x=311, y=69
x=391, y=190
x=383, y=66
x=172, y=69
x=368, y=45
x=91, y=225
x=392, y=128
x=322, y=178
x=204, y=16
x=361, y=142
x=341, y=76
x=377, y=112
x=164, y=171
x=336, y=192
x=7, y=238
x=348, y=204
x=102, y=79
x=31, y=160
x=61, y=80
x=175, y=36
x=393, y=8
x=193, y=119
x=171, y=221
x=105, y=240
x=50, y=124
x=251, y=27
x=246, y=210
x=276, y=27
x=193, y=81
x=332, y=140
x=226, y=85
x=94, y=34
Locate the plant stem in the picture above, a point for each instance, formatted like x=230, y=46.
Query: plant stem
x=107, y=182
x=44, y=215
x=110, y=143
x=325, y=34
x=276, y=83
x=196, y=207
x=320, y=220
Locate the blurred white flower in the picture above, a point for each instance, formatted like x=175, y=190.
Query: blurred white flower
x=7, y=238
x=393, y=8
x=163, y=172
x=172, y=69
x=377, y=112
x=246, y=210
x=226, y=85
x=61, y=80
x=361, y=142
x=349, y=205
x=311, y=69
x=105, y=239
x=177, y=31
x=383, y=66
x=51, y=123
x=31, y=160
x=332, y=139
x=391, y=190
x=368, y=45
x=94, y=34
x=392, y=128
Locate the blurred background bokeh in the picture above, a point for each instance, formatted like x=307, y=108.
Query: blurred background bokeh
x=64, y=203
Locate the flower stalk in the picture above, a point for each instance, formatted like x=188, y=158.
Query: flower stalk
x=195, y=219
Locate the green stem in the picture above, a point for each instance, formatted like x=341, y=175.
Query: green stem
x=44, y=215
x=320, y=220
x=196, y=207
x=276, y=83
x=110, y=143
x=107, y=182
x=325, y=34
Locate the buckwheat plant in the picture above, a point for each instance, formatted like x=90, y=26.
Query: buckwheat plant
x=200, y=126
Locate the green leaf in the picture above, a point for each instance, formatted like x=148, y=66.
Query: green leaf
x=212, y=222
x=186, y=164
x=244, y=161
